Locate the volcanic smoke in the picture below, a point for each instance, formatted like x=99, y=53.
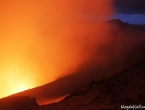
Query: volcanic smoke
x=57, y=36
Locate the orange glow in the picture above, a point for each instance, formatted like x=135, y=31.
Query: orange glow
x=49, y=34
x=18, y=76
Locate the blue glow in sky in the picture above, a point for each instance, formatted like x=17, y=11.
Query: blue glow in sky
x=131, y=18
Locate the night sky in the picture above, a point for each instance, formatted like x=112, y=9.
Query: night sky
x=131, y=11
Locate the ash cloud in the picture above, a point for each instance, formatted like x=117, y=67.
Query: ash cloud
x=54, y=35
x=68, y=37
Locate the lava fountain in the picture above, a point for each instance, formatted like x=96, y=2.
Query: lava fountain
x=17, y=76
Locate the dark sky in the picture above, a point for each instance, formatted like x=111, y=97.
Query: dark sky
x=130, y=6
x=131, y=11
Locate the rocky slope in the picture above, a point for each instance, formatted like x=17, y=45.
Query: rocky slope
x=18, y=103
x=124, y=88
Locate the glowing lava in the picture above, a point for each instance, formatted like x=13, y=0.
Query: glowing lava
x=17, y=77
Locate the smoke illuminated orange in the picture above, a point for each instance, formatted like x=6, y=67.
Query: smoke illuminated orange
x=49, y=33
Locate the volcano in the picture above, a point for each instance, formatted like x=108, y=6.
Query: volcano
x=103, y=92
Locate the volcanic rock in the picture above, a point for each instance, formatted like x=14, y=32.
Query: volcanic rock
x=18, y=103
x=123, y=88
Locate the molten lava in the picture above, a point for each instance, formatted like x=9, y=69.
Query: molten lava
x=18, y=76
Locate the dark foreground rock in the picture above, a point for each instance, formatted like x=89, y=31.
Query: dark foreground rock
x=18, y=103
x=123, y=88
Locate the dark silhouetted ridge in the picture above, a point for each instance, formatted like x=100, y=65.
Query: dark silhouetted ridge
x=115, y=21
x=123, y=88
x=18, y=103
